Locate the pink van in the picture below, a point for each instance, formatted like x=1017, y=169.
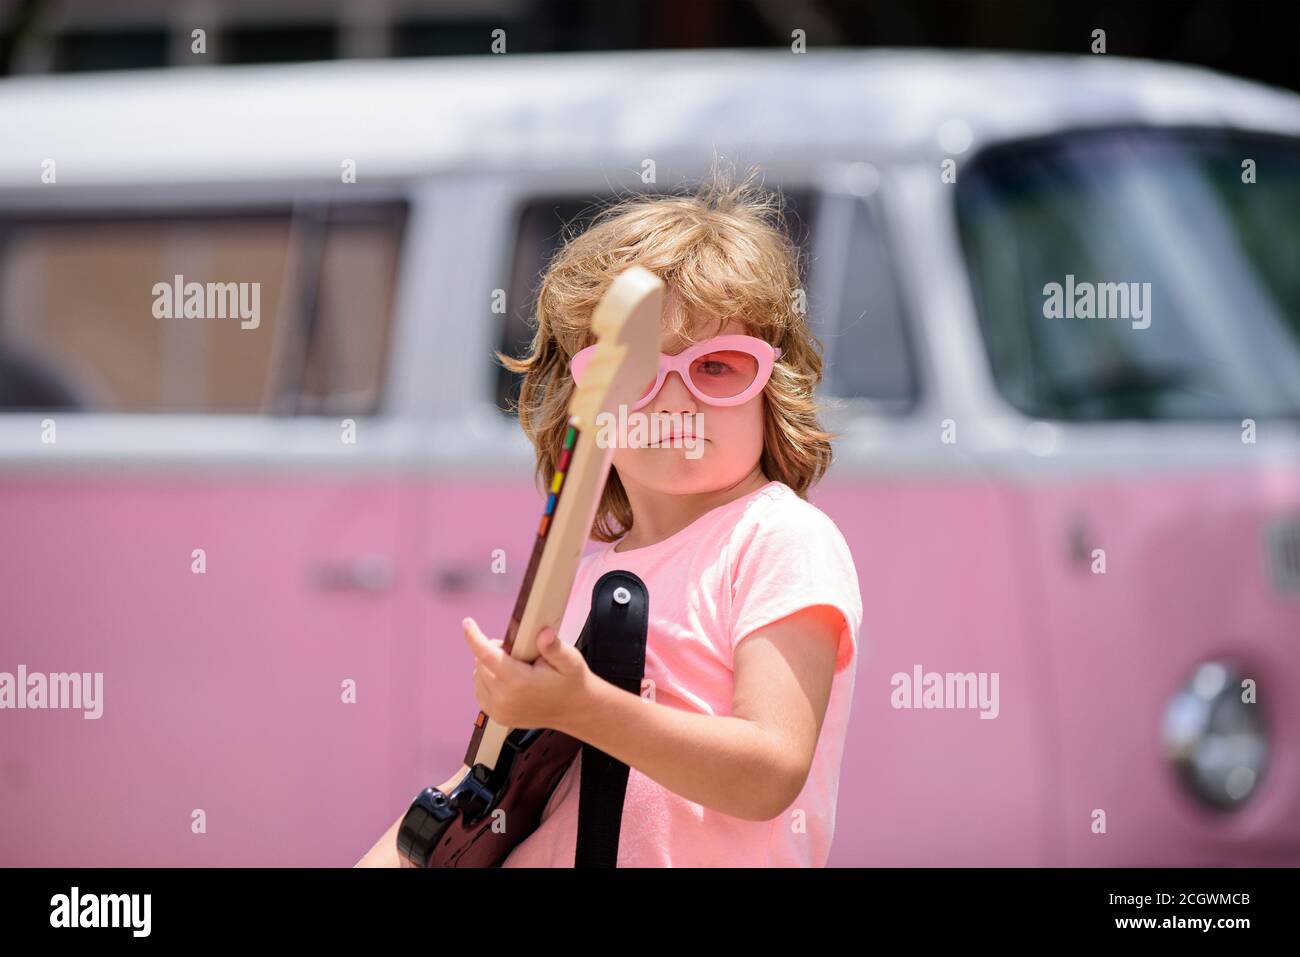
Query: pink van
x=255, y=468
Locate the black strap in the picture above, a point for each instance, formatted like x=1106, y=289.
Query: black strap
x=613, y=641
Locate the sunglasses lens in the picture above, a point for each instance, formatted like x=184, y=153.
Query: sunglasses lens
x=724, y=375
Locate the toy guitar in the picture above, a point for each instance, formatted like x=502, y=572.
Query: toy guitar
x=516, y=770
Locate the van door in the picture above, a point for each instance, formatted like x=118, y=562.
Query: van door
x=938, y=557
x=198, y=503
x=1159, y=488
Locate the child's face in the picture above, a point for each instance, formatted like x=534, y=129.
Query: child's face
x=730, y=447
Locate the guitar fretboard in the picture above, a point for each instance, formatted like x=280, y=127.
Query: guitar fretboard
x=539, y=545
x=525, y=589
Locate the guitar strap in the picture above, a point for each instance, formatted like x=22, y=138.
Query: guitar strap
x=613, y=642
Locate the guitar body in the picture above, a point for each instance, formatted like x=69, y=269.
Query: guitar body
x=516, y=770
x=460, y=828
x=457, y=830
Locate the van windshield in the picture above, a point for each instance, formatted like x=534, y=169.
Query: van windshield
x=1138, y=274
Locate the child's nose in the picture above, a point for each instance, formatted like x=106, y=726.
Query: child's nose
x=674, y=396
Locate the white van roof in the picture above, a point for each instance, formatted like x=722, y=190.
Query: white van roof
x=538, y=111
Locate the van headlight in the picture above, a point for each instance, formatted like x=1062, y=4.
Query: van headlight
x=1217, y=743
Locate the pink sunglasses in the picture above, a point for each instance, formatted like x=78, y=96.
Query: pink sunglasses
x=724, y=370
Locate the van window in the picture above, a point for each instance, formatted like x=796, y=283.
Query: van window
x=272, y=310
x=348, y=339
x=540, y=234
x=1139, y=274
x=871, y=356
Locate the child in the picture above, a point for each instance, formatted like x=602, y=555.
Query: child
x=735, y=746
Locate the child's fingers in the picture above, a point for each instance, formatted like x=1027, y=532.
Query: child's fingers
x=490, y=653
x=486, y=650
x=544, y=639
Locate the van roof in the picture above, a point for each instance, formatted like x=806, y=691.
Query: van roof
x=543, y=111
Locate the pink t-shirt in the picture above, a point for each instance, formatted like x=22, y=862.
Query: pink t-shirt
x=737, y=568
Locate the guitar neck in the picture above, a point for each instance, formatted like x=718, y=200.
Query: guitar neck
x=626, y=323
x=570, y=510
x=557, y=581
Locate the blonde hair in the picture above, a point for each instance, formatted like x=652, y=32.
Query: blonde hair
x=723, y=252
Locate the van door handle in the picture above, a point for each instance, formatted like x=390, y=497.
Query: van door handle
x=367, y=573
x=466, y=577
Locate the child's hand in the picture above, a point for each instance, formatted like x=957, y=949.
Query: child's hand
x=522, y=695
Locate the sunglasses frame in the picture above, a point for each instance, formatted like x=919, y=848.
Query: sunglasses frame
x=764, y=352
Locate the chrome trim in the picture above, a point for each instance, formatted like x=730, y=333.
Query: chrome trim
x=1217, y=743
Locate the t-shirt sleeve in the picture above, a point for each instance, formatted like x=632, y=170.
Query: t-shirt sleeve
x=790, y=561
